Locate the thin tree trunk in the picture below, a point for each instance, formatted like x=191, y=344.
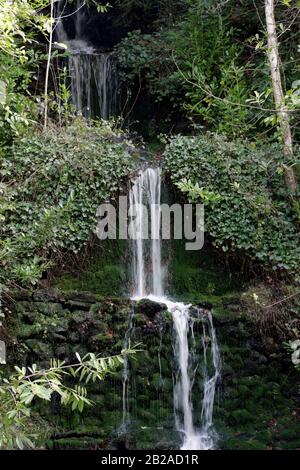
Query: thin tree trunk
x=46, y=98
x=274, y=62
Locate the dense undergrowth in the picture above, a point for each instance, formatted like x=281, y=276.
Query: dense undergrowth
x=51, y=186
x=241, y=187
x=206, y=60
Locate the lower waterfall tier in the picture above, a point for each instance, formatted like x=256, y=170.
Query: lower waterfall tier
x=254, y=410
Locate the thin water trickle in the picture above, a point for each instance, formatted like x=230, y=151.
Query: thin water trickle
x=148, y=281
x=126, y=375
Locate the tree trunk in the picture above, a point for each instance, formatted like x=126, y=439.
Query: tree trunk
x=46, y=98
x=274, y=62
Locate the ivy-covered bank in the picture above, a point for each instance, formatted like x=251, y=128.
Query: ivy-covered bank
x=247, y=210
x=256, y=405
x=51, y=186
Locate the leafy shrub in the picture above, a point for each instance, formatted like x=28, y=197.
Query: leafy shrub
x=242, y=188
x=210, y=69
x=147, y=58
x=21, y=23
x=51, y=186
x=17, y=108
x=194, y=64
x=27, y=384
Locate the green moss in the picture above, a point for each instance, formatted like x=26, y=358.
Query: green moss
x=104, y=274
x=200, y=272
x=29, y=331
x=76, y=443
x=108, y=280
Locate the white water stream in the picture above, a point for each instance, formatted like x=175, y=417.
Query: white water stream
x=93, y=77
x=148, y=281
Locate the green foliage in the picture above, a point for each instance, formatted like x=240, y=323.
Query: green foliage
x=194, y=63
x=16, y=18
x=242, y=188
x=147, y=58
x=51, y=186
x=208, y=62
x=195, y=192
x=19, y=26
x=27, y=384
x=17, y=109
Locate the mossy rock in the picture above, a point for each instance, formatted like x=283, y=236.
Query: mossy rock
x=149, y=308
x=76, y=443
x=30, y=331
x=103, y=275
x=41, y=350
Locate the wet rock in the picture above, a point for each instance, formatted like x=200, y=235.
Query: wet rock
x=46, y=295
x=29, y=317
x=149, y=308
x=40, y=349
x=20, y=294
x=81, y=297
x=76, y=304
x=78, y=317
x=63, y=352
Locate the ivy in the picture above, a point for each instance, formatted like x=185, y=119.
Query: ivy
x=243, y=191
x=51, y=186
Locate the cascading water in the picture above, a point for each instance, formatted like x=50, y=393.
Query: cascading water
x=207, y=435
x=146, y=193
x=94, y=93
x=126, y=410
x=94, y=83
x=148, y=281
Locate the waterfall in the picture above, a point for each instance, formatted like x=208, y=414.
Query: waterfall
x=146, y=193
x=94, y=83
x=80, y=17
x=209, y=383
x=60, y=32
x=126, y=410
x=148, y=281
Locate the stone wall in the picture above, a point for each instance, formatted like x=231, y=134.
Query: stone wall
x=256, y=405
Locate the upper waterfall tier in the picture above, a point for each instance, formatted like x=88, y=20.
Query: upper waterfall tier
x=93, y=75
x=94, y=84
